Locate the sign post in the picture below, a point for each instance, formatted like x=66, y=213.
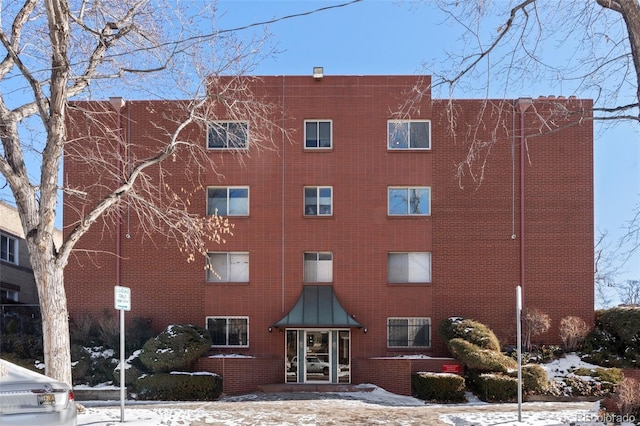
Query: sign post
x=519, y=339
x=122, y=296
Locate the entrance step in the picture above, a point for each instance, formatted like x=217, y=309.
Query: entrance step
x=314, y=387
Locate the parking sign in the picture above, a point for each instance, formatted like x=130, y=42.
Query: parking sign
x=123, y=298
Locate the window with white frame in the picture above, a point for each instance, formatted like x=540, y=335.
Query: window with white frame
x=228, y=200
x=413, y=267
x=318, y=201
x=317, y=134
x=227, y=135
x=228, y=331
x=9, y=294
x=318, y=267
x=409, y=134
x=404, y=201
x=228, y=267
x=408, y=332
x=8, y=249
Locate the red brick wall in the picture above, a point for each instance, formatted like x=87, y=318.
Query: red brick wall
x=476, y=263
x=243, y=375
x=168, y=289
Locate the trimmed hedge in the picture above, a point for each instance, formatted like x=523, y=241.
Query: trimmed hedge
x=491, y=387
x=484, y=360
x=176, y=348
x=179, y=387
x=471, y=331
x=439, y=387
x=534, y=379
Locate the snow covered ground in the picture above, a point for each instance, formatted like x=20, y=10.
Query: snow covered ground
x=353, y=408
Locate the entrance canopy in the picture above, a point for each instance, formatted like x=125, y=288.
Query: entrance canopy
x=317, y=306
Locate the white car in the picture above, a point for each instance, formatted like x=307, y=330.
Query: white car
x=28, y=398
x=314, y=365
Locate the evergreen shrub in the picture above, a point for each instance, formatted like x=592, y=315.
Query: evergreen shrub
x=179, y=387
x=492, y=387
x=439, y=387
x=484, y=360
x=534, y=379
x=176, y=348
x=615, y=340
x=469, y=330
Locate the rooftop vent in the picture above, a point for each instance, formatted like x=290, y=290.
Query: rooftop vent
x=318, y=72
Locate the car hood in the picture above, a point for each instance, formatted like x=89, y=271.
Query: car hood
x=10, y=372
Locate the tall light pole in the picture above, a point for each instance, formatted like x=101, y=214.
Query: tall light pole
x=519, y=343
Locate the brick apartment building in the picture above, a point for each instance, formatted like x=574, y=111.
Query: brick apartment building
x=358, y=233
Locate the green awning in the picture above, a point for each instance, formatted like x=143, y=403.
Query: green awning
x=317, y=306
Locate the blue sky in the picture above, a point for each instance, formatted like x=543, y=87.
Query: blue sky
x=385, y=37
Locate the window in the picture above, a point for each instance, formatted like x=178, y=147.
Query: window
x=8, y=249
x=318, y=200
x=228, y=201
x=317, y=134
x=409, y=267
x=9, y=295
x=228, y=135
x=228, y=267
x=318, y=267
x=414, y=134
x=409, y=201
x=228, y=331
x=408, y=332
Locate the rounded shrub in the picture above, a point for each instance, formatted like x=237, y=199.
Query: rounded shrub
x=534, y=379
x=477, y=358
x=471, y=331
x=176, y=348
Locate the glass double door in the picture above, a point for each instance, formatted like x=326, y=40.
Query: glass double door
x=326, y=354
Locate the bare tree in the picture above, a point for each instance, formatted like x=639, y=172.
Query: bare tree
x=508, y=47
x=629, y=292
x=630, y=241
x=503, y=46
x=573, y=331
x=605, y=270
x=58, y=50
x=535, y=322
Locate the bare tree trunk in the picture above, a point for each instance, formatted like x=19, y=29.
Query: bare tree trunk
x=53, y=305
